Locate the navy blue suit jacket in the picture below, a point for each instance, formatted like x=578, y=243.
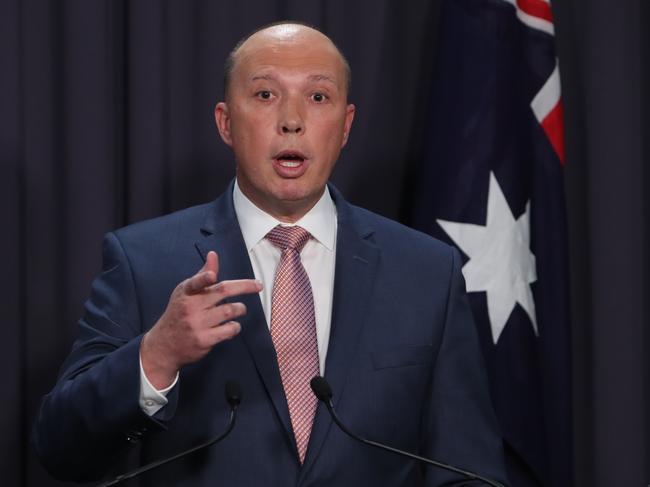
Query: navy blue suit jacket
x=404, y=364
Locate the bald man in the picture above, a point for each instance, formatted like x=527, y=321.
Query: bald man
x=186, y=302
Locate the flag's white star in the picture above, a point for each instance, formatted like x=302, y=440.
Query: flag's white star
x=500, y=261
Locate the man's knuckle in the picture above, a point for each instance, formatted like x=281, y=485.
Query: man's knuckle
x=226, y=288
x=218, y=290
x=228, y=311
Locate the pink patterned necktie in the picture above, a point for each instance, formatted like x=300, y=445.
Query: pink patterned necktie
x=293, y=330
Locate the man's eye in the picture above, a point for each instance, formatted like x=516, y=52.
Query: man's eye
x=318, y=97
x=264, y=95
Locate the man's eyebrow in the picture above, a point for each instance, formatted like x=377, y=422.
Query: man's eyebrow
x=322, y=77
x=266, y=77
x=312, y=78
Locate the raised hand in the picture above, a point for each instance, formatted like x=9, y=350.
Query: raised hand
x=195, y=320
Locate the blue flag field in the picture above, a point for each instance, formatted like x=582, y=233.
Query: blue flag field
x=490, y=182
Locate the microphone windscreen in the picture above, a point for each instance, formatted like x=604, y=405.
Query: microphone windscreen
x=233, y=393
x=321, y=388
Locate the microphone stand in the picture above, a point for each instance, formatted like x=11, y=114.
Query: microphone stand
x=323, y=392
x=233, y=396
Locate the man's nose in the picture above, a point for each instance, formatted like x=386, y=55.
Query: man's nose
x=291, y=119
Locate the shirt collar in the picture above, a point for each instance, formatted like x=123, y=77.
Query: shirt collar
x=255, y=223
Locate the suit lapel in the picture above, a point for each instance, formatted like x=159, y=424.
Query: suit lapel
x=356, y=265
x=222, y=234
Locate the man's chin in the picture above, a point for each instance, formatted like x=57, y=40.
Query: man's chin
x=293, y=202
x=284, y=199
x=297, y=190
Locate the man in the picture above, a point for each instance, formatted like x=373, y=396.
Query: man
x=377, y=308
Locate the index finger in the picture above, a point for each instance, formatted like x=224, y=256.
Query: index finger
x=236, y=287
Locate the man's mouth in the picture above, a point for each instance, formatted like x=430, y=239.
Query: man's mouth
x=290, y=158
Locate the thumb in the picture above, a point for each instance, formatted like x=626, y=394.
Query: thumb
x=211, y=263
x=206, y=276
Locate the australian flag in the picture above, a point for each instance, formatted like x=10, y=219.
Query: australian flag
x=490, y=182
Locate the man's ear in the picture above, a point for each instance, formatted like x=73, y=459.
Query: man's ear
x=222, y=119
x=349, y=117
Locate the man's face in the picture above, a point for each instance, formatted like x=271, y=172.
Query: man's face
x=286, y=117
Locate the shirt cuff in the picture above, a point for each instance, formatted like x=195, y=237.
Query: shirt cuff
x=152, y=400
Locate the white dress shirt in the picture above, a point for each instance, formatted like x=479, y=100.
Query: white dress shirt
x=318, y=256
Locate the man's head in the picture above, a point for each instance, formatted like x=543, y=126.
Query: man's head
x=285, y=115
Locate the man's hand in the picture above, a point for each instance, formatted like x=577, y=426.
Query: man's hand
x=193, y=323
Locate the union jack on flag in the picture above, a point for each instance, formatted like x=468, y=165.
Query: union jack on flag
x=490, y=182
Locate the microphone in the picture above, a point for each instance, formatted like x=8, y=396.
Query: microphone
x=233, y=397
x=323, y=392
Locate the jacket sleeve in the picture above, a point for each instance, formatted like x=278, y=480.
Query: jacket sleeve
x=92, y=417
x=459, y=420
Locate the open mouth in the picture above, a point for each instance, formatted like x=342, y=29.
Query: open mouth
x=290, y=158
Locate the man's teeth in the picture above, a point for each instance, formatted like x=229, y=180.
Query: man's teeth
x=290, y=163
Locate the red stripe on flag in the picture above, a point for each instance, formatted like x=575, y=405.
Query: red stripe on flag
x=553, y=125
x=536, y=8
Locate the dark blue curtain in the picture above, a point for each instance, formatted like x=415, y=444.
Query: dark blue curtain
x=106, y=118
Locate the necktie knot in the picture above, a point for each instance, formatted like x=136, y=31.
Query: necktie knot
x=294, y=237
